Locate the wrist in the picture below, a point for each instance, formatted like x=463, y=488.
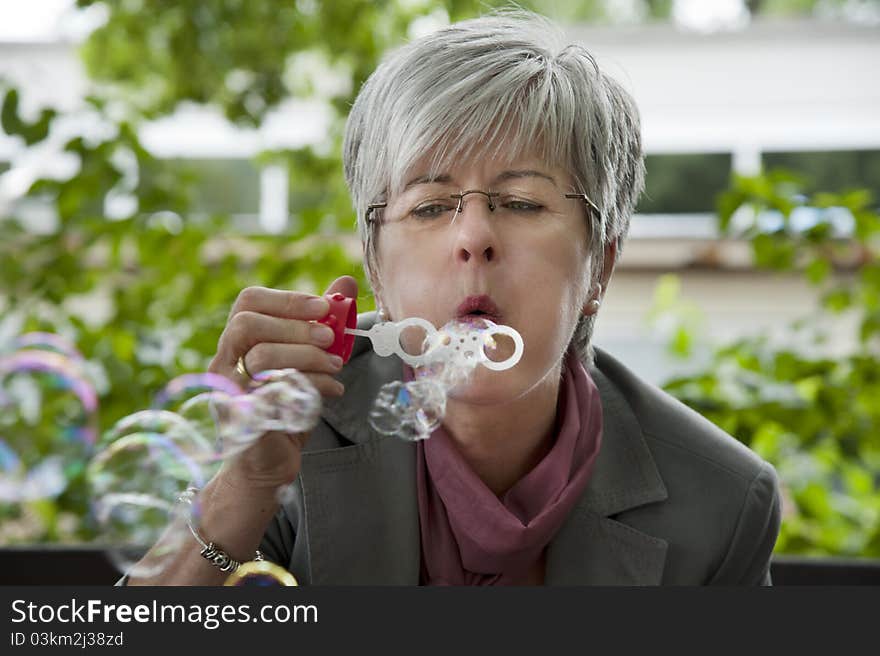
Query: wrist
x=209, y=550
x=237, y=479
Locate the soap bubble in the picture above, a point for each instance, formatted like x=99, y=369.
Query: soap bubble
x=289, y=401
x=446, y=360
x=260, y=573
x=230, y=420
x=182, y=433
x=44, y=480
x=135, y=484
x=223, y=421
x=202, y=400
x=47, y=341
x=152, y=456
x=411, y=411
x=186, y=386
x=48, y=422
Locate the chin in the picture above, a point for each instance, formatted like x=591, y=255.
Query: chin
x=491, y=387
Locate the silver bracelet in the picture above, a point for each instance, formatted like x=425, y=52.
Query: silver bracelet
x=210, y=551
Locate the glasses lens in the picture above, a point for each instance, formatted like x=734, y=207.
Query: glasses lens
x=522, y=201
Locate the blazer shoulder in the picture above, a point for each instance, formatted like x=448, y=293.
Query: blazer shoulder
x=673, y=429
x=722, y=514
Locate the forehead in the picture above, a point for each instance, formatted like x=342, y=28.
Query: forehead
x=483, y=169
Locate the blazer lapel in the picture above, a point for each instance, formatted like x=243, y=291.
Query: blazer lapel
x=592, y=548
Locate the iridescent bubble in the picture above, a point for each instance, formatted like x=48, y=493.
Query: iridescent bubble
x=286, y=494
x=135, y=485
x=204, y=400
x=260, y=573
x=48, y=422
x=151, y=456
x=188, y=385
x=284, y=401
x=410, y=411
x=166, y=423
x=289, y=401
x=12, y=473
x=9, y=460
x=446, y=360
x=47, y=341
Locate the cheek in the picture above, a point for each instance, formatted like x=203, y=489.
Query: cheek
x=564, y=269
x=405, y=276
x=574, y=290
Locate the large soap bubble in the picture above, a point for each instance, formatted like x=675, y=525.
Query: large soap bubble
x=48, y=419
x=260, y=574
x=136, y=482
x=228, y=420
x=47, y=342
x=151, y=458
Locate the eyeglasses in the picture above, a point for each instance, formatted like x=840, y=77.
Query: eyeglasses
x=431, y=208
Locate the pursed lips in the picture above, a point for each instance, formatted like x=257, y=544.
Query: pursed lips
x=479, y=306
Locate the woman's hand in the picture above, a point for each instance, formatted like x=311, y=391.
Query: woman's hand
x=276, y=329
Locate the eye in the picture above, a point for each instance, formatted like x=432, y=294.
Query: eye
x=431, y=210
x=522, y=206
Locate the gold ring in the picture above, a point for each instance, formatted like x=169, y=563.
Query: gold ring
x=241, y=370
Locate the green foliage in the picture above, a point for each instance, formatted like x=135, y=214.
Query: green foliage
x=681, y=318
x=239, y=55
x=163, y=282
x=815, y=416
x=12, y=123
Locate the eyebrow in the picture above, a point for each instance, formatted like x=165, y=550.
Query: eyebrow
x=526, y=173
x=501, y=177
x=428, y=179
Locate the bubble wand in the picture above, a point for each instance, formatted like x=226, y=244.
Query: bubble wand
x=465, y=350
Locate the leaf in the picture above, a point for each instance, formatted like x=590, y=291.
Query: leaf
x=817, y=271
x=869, y=327
x=682, y=342
x=837, y=300
x=727, y=205
x=773, y=252
x=815, y=500
x=9, y=112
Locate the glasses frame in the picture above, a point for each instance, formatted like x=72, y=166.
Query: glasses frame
x=490, y=195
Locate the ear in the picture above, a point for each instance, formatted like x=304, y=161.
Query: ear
x=597, y=291
x=608, y=263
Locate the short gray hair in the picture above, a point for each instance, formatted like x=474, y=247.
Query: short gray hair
x=506, y=82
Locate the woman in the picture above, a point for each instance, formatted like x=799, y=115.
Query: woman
x=494, y=171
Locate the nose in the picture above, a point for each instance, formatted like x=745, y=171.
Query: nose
x=476, y=239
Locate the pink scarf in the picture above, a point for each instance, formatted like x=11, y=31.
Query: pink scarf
x=469, y=535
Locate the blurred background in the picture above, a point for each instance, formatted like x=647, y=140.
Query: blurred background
x=158, y=156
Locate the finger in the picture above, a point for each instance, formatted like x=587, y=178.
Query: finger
x=302, y=357
x=246, y=329
x=281, y=303
x=241, y=376
x=345, y=285
x=326, y=384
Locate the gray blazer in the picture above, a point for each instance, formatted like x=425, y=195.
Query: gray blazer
x=673, y=500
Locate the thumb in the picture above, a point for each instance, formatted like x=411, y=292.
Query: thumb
x=345, y=285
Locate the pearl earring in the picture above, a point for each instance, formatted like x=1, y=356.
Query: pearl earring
x=592, y=307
